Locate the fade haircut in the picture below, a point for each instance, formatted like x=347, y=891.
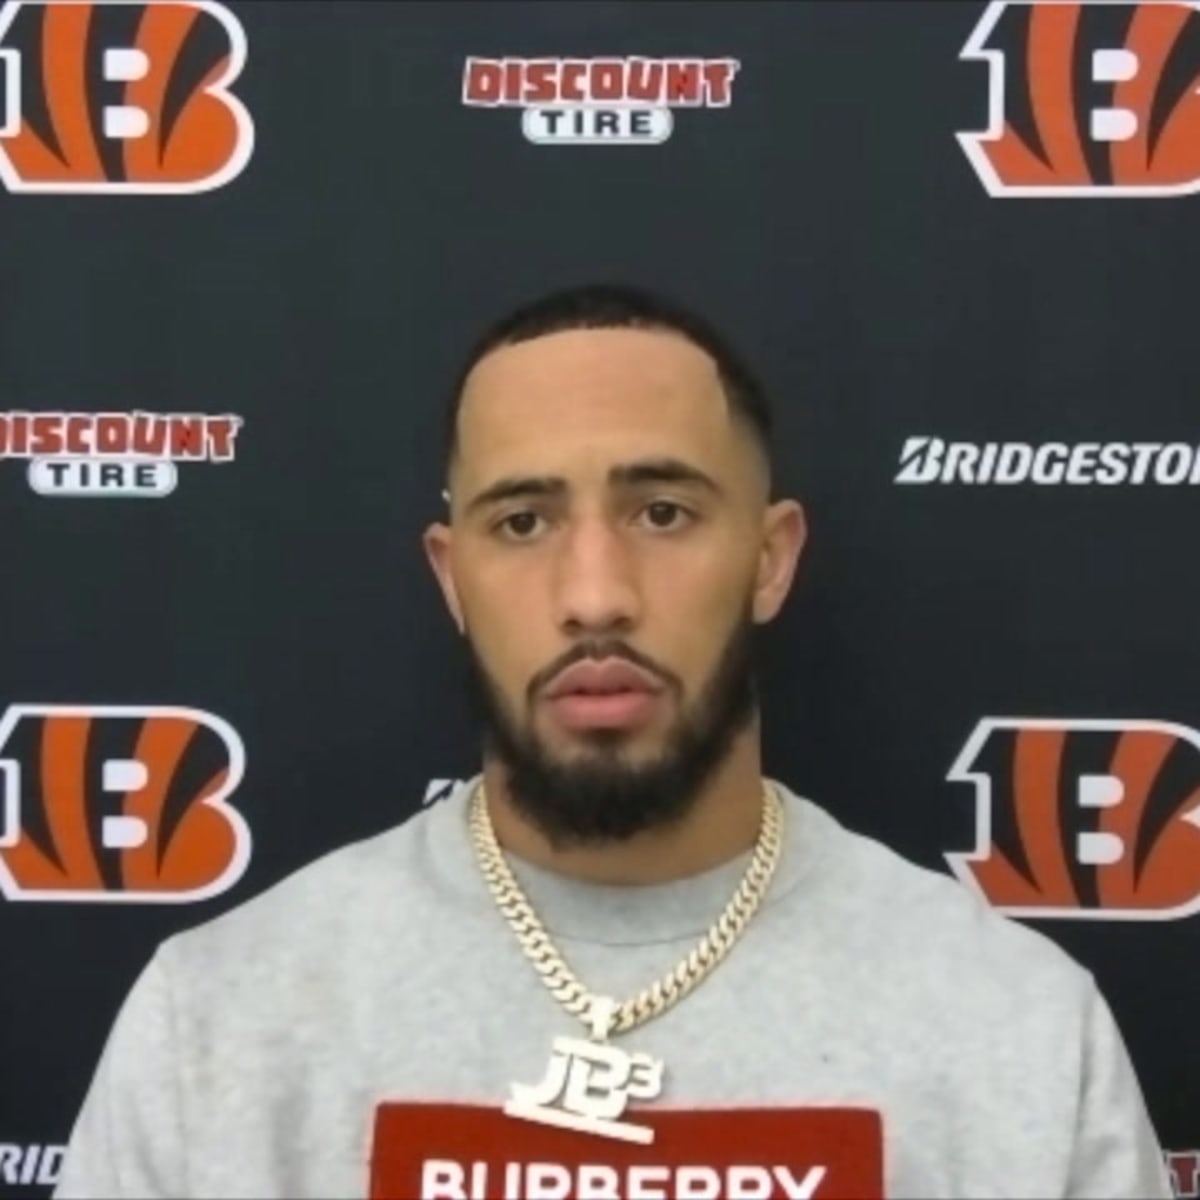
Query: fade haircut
x=616, y=306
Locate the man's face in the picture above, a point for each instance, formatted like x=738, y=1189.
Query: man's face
x=606, y=563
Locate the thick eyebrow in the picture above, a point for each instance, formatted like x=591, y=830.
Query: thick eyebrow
x=662, y=470
x=633, y=474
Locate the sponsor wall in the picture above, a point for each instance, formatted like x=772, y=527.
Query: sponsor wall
x=242, y=245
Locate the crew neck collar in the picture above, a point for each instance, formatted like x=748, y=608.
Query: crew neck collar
x=619, y=914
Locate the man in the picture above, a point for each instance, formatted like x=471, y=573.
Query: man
x=731, y=995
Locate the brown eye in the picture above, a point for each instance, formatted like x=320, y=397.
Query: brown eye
x=662, y=514
x=520, y=524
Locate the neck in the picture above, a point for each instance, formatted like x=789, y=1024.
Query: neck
x=723, y=822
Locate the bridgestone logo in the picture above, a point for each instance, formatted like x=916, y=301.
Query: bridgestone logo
x=934, y=460
x=24, y=1165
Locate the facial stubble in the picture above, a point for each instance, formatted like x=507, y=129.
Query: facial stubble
x=599, y=793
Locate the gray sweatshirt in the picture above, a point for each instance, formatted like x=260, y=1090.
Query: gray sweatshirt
x=357, y=1030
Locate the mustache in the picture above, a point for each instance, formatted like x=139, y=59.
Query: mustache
x=599, y=649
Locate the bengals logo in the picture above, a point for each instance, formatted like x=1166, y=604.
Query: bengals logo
x=1083, y=819
x=119, y=804
x=1092, y=99
x=119, y=97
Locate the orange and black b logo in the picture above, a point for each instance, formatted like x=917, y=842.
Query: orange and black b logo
x=120, y=98
x=1088, y=99
x=105, y=803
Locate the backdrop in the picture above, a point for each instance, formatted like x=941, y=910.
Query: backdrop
x=242, y=247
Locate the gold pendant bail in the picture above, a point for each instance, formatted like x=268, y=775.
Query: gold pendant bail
x=602, y=1014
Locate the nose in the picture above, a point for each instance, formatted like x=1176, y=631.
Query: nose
x=595, y=581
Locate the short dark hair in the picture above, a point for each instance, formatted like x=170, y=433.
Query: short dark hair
x=616, y=306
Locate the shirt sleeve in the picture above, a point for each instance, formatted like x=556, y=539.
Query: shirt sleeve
x=128, y=1139
x=1116, y=1154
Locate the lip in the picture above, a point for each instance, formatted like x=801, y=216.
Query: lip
x=592, y=680
x=611, y=693
x=614, y=710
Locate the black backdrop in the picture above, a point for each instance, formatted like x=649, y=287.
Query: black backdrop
x=828, y=216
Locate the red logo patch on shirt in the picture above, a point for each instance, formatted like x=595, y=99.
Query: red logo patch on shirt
x=470, y=1152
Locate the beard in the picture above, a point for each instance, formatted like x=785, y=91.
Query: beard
x=600, y=794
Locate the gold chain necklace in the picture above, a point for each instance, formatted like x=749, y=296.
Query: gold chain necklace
x=590, y=1082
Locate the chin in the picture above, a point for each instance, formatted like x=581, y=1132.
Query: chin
x=630, y=747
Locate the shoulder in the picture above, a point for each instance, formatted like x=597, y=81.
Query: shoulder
x=373, y=888
x=928, y=929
